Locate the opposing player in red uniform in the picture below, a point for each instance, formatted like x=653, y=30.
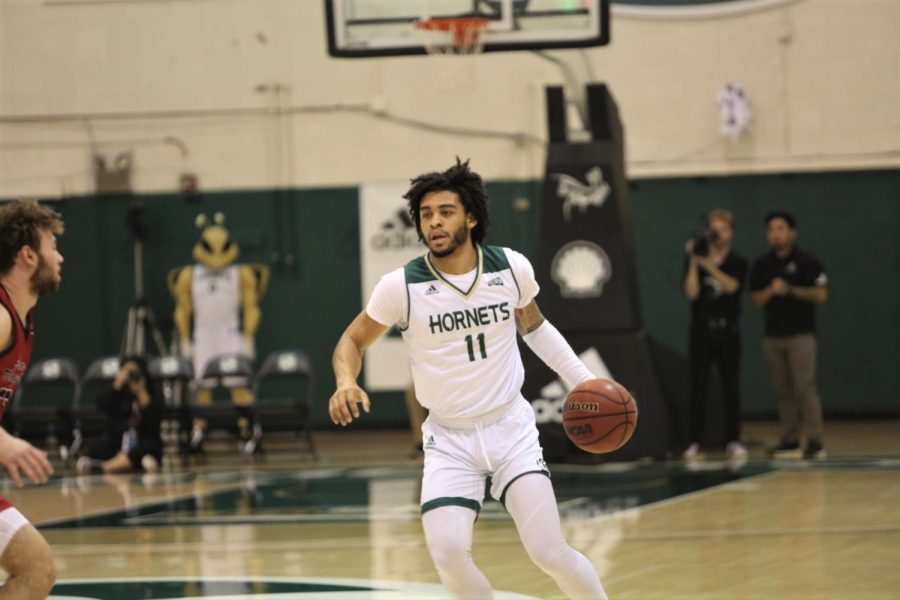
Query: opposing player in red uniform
x=29, y=268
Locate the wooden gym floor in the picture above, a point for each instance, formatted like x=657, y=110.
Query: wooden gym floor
x=348, y=527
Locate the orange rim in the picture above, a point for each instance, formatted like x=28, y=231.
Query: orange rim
x=464, y=31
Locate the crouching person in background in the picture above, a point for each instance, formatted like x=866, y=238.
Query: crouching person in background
x=134, y=409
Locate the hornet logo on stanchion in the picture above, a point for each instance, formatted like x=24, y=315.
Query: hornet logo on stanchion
x=579, y=195
x=580, y=269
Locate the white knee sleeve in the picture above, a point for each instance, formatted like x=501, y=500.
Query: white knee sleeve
x=531, y=503
x=448, y=534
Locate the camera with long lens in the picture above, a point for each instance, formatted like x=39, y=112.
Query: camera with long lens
x=702, y=239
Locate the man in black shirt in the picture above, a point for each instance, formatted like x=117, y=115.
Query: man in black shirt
x=713, y=280
x=789, y=283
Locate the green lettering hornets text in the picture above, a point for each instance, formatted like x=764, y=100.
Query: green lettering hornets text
x=458, y=320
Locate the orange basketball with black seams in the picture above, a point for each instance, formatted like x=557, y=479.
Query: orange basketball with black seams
x=599, y=415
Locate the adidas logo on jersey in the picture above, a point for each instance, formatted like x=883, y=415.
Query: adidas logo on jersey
x=431, y=290
x=496, y=281
x=430, y=443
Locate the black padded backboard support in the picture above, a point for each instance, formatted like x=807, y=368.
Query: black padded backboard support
x=587, y=206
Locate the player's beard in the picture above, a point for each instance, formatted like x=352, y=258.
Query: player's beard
x=457, y=239
x=43, y=281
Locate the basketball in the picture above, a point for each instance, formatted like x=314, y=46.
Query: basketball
x=599, y=415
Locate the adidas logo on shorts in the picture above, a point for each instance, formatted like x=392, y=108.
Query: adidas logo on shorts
x=430, y=443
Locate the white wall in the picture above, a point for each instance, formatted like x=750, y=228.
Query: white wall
x=823, y=77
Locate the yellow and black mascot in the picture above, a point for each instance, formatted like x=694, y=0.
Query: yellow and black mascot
x=217, y=312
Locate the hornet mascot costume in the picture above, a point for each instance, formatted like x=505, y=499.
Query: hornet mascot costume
x=217, y=312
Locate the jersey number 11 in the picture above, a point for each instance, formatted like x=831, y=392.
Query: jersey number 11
x=470, y=345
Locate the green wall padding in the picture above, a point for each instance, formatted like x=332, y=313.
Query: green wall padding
x=849, y=219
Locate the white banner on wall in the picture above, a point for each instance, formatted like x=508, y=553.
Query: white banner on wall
x=388, y=241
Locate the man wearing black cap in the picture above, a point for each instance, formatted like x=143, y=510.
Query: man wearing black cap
x=789, y=283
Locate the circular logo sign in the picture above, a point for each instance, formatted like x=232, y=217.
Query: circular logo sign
x=580, y=269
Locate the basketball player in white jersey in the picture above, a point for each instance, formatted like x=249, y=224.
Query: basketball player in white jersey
x=458, y=308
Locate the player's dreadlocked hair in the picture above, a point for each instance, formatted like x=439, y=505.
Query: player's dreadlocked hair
x=461, y=180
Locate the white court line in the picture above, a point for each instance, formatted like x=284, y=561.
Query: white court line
x=635, y=511
x=215, y=487
x=704, y=491
x=885, y=527
x=610, y=580
x=416, y=540
x=383, y=589
x=304, y=545
x=880, y=528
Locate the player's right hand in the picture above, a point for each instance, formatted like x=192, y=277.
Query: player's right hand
x=19, y=457
x=343, y=406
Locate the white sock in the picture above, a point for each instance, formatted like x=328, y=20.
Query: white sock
x=531, y=503
x=448, y=534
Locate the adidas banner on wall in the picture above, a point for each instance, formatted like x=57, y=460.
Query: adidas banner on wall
x=388, y=240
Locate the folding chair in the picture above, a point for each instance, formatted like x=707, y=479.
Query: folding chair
x=232, y=371
x=47, y=412
x=229, y=370
x=176, y=374
x=296, y=409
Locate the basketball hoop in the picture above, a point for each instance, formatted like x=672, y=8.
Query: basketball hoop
x=451, y=36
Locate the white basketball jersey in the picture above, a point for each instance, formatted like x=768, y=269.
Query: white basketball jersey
x=461, y=342
x=216, y=296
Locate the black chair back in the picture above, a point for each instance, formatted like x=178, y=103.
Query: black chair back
x=43, y=404
x=229, y=370
x=51, y=371
x=171, y=368
x=296, y=409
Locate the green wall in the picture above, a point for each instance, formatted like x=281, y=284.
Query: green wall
x=851, y=220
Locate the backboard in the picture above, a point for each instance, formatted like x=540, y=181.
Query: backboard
x=371, y=28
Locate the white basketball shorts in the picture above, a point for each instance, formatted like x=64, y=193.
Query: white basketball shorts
x=459, y=461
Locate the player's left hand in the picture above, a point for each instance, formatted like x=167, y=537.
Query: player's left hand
x=19, y=457
x=343, y=406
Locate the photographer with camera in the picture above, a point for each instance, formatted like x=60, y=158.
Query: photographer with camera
x=713, y=279
x=135, y=409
